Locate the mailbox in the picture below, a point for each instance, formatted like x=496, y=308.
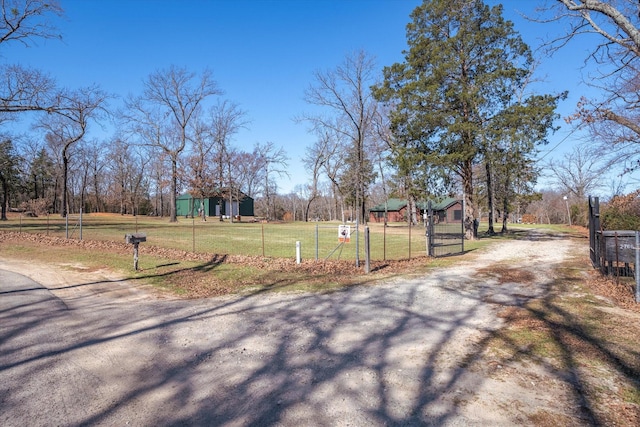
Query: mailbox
x=136, y=238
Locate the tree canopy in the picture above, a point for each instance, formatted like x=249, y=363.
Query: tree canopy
x=463, y=72
x=612, y=114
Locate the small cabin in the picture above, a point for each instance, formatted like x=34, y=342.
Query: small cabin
x=448, y=211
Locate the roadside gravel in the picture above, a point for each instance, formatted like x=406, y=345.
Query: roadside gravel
x=92, y=350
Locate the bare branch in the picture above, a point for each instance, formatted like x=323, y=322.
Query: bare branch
x=24, y=20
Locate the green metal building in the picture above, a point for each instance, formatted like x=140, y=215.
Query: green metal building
x=187, y=205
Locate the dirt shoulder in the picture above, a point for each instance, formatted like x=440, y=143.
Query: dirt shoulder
x=76, y=282
x=186, y=274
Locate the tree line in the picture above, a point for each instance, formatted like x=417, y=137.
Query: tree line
x=459, y=116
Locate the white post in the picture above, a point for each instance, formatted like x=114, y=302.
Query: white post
x=566, y=201
x=367, y=251
x=298, y=253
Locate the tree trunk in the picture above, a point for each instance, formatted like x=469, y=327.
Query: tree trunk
x=505, y=215
x=505, y=204
x=161, y=191
x=83, y=190
x=308, y=206
x=490, y=202
x=173, y=217
x=96, y=190
x=55, y=194
x=65, y=167
x=123, y=202
x=469, y=205
x=5, y=198
x=35, y=185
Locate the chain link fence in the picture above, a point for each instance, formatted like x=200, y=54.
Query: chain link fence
x=318, y=240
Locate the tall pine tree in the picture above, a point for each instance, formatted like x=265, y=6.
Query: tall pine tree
x=464, y=68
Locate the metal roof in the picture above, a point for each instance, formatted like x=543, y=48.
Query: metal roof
x=394, y=205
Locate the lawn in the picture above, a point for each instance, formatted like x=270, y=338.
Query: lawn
x=318, y=240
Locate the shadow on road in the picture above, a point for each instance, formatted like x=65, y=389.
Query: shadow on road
x=404, y=353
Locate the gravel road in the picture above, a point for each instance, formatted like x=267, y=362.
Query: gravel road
x=79, y=351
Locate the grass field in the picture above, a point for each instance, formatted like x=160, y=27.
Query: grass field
x=166, y=261
x=318, y=240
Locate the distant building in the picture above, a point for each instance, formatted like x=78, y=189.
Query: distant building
x=396, y=210
x=447, y=211
x=187, y=205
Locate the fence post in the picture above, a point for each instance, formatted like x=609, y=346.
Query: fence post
x=636, y=266
x=357, y=243
x=429, y=229
x=464, y=232
x=262, y=239
x=66, y=225
x=384, y=240
x=193, y=232
x=367, y=252
x=317, y=242
x=410, y=223
x=80, y=223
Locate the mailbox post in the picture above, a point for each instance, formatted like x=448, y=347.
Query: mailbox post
x=135, y=240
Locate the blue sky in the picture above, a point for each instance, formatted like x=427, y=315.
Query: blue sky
x=262, y=53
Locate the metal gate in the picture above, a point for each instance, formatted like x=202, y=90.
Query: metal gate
x=445, y=236
x=594, y=229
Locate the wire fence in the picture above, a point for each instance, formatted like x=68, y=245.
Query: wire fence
x=317, y=240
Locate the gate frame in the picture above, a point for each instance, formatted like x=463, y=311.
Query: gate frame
x=431, y=233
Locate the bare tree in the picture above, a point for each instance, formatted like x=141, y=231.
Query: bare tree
x=161, y=115
x=248, y=172
x=25, y=20
x=23, y=89
x=97, y=164
x=579, y=173
x=549, y=208
x=613, y=117
x=345, y=93
x=210, y=161
x=69, y=124
x=161, y=179
x=225, y=120
x=315, y=160
x=127, y=166
x=273, y=161
x=200, y=178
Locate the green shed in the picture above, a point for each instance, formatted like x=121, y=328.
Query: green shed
x=187, y=205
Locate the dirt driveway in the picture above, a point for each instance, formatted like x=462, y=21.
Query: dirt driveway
x=85, y=349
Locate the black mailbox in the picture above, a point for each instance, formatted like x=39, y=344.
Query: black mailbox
x=619, y=246
x=136, y=238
